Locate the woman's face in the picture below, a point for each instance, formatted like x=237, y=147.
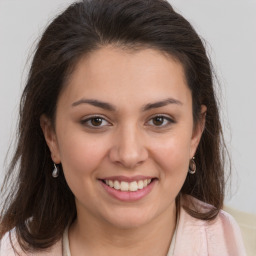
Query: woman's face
x=124, y=120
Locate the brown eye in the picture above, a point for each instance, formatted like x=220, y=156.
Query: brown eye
x=96, y=121
x=159, y=120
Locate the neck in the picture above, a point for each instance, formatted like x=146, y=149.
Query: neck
x=92, y=237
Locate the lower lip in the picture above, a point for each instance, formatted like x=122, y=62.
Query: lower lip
x=129, y=196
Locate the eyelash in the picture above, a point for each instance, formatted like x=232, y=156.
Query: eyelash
x=86, y=121
x=167, y=120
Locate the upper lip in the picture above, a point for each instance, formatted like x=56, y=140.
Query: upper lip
x=128, y=179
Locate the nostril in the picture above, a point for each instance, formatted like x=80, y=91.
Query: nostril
x=128, y=154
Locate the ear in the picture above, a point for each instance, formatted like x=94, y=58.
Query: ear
x=50, y=138
x=198, y=131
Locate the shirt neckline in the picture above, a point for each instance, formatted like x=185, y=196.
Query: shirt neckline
x=66, y=248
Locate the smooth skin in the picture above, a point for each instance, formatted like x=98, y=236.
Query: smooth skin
x=124, y=113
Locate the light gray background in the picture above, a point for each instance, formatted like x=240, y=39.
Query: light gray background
x=228, y=26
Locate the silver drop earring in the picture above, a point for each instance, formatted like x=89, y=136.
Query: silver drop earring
x=55, y=172
x=192, y=166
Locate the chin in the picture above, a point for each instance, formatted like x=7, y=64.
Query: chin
x=128, y=223
x=130, y=218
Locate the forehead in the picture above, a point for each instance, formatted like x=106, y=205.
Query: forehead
x=114, y=74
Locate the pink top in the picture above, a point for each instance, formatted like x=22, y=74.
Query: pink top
x=220, y=237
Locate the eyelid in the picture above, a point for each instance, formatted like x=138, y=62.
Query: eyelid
x=165, y=116
x=90, y=117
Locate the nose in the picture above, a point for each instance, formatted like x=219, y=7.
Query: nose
x=129, y=149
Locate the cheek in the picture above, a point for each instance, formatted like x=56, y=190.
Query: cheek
x=80, y=157
x=172, y=159
x=80, y=154
x=173, y=153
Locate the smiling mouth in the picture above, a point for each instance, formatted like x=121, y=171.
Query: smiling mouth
x=128, y=186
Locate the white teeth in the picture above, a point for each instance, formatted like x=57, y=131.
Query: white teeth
x=124, y=186
x=133, y=186
x=128, y=186
x=111, y=183
x=140, y=184
x=116, y=184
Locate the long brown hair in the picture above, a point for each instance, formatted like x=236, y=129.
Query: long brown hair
x=40, y=207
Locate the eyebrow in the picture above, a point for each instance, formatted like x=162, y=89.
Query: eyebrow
x=110, y=107
x=161, y=103
x=96, y=103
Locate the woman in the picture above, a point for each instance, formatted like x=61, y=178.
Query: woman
x=120, y=145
